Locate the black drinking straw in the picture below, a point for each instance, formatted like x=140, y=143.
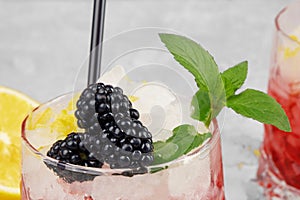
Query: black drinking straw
x=96, y=41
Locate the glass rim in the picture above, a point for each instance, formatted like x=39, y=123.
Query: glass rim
x=278, y=25
x=202, y=151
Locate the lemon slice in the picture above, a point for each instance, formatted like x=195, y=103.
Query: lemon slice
x=61, y=123
x=14, y=107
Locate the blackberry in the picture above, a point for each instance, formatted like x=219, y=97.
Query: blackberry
x=113, y=135
x=78, y=149
x=73, y=150
x=98, y=100
x=104, y=110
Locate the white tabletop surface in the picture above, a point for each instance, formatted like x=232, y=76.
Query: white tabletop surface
x=43, y=43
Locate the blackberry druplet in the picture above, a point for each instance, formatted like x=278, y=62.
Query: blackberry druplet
x=134, y=114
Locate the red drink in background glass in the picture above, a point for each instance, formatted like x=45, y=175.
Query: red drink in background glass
x=284, y=147
x=279, y=166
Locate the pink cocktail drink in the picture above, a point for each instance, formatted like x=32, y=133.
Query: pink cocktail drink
x=142, y=132
x=197, y=175
x=279, y=167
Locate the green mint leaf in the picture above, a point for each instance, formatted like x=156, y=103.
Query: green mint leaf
x=184, y=139
x=261, y=107
x=234, y=77
x=229, y=88
x=203, y=67
x=198, y=140
x=201, y=107
x=175, y=146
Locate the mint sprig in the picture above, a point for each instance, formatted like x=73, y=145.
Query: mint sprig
x=216, y=90
x=202, y=65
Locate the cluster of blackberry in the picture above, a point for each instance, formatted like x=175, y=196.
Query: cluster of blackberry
x=113, y=133
x=73, y=150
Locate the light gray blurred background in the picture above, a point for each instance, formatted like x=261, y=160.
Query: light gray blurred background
x=43, y=43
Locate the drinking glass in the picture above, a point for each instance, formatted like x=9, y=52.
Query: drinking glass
x=195, y=176
x=279, y=166
x=136, y=62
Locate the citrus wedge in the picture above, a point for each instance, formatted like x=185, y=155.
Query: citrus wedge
x=14, y=107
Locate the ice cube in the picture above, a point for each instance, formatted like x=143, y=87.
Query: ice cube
x=113, y=76
x=159, y=106
x=191, y=178
x=138, y=187
x=43, y=182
